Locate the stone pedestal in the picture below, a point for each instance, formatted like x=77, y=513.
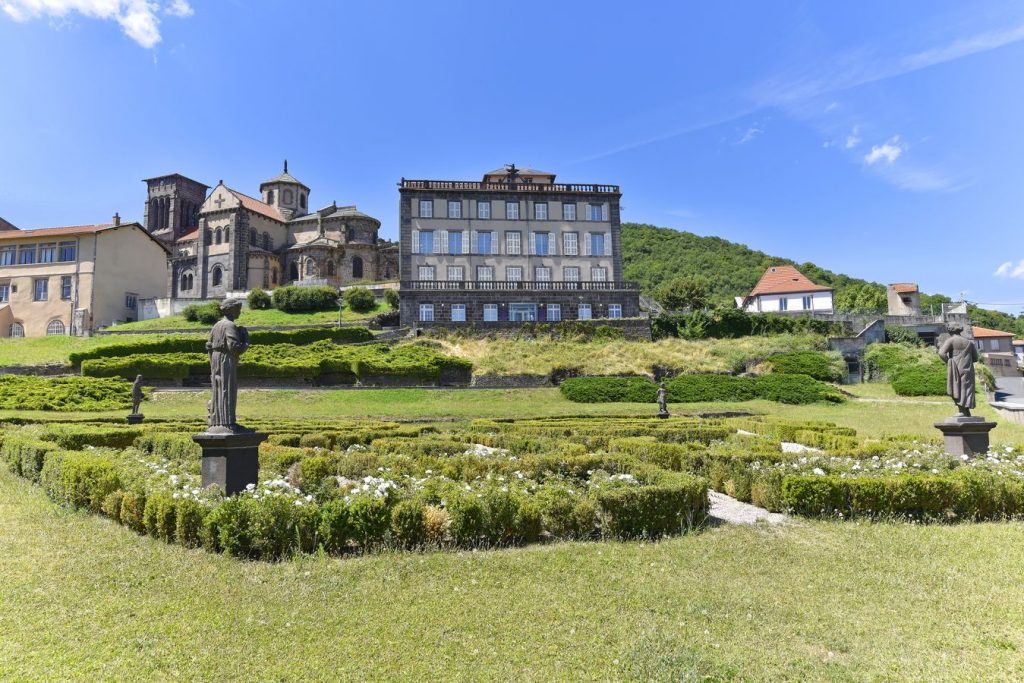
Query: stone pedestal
x=136, y=418
x=663, y=414
x=231, y=461
x=965, y=435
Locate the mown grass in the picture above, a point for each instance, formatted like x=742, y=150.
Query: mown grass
x=43, y=350
x=256, y=317
x=85, y=599
x=541, y=356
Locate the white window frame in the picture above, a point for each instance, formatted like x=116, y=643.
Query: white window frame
x=783, y=303
x=554, y=313
x=424, y=271
x=540, y=211
x=421, y=236
x=53, y=331
x=513, y=273
x=16, y=330
x=482, y=271
x=570, y=244
x=580, y=312
x=513, y=242
x=456, y=273
x=571, y=273
x=597, y=212
x=426, y=313
x=455, y=236
x=598, y=274
x=458, y=313
x=808, y=302
x=614, y=310
x=512, y=211
x=490, y=313
x=457, y=206
x=568, y=211
x=427, y=204
x=5, y=292
x=542, y=274
x=45, y=282
x=483, y=210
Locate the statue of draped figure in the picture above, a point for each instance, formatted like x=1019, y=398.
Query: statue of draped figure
x=959, y=354
x=226, y=343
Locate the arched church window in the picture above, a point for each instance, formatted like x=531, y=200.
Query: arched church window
x=270, y=196
x=357, y=267
x=217, y=236
x=268, y=244
x=330, y=269
x=216, y=276
x=253, y=238
x=191, y=281
x=227, y=235
x=293, y=271
x=287, y=197
x=273, y=276
x=310, y=268
x=302, y=200
x=183, y=283
x=17, y=330
x=350, y=235
x=56, y=327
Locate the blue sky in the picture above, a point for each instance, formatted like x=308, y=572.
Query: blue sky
x=877, y=139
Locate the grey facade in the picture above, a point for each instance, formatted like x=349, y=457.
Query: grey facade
x=172, y=206
x=516, y=247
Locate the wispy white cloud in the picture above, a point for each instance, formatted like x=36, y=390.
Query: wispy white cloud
x=853, y=139
x=179, y=8
x=890, y=151
x=139, y=19
x=751, y=133
x=1011, y=270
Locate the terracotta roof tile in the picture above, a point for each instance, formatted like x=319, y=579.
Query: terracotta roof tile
x=189, y=236
x=904, y=287
x=256, y=206
x=785, y=280
x=984, y=332
x=55, y=232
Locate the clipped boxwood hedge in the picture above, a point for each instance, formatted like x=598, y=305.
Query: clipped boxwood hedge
x=826, y=367
x=921, y=380
x=609, y=390
x=30, y=392
x=795, y=389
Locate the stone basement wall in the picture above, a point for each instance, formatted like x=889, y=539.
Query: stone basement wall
x=633, y=329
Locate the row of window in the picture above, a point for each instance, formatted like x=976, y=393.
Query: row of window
x=53, y=328
x=512, y=274
x=489, y=242
x=805, y=301
x=40, y=289
x=47, y=252
x=516, y=312
x=594, y=212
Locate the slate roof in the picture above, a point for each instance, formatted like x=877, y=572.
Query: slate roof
x=986, y=333
x=785, y=280
x=340, y=211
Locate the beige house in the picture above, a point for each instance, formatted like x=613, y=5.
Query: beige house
x=904, y=298
x=70, y=281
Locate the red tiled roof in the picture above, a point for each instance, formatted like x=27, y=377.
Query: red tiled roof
x=55, y=232
x=984, y=332
x=785, y=280
x=1018, y=342
x=904, y=287
x=188, y=236
x=256, y=206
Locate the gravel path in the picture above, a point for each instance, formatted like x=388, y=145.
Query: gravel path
x=725, y=509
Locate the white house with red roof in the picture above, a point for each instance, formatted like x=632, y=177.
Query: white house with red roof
x=784, y=289
x=996, y=349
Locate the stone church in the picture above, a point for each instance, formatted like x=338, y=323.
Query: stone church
x=225, y=241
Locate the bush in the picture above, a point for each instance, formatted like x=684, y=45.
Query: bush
x=827, y=367
x=259, y=300
x=207, y=313
x=391, y=298
x=609, y=390
x=796, y=389
x=923, y=380
x=731, y=323
x=360, y=299
x=897, y=334
x=674, y=503
x=297, y=299
x=409, y=524
x=28, y=392
x=701, y=388
x=80, y=479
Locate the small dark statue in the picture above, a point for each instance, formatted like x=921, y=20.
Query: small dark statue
x=959, y=354
x=136, y=417
x=227, y=342
x=662, y=401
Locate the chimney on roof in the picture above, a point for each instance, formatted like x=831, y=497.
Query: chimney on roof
x=117, y=219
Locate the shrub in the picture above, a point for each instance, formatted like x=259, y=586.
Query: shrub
x=80, y=479
x=468, y=525
x=897, y=334
x=188, y=522
x=409, y=523
x=133, y=507
x=668, y=505
x=731, y=323
x=335, y=526
x=796, y=389
x=391, y=298
x=922, y=380
x=371, y=519
x=207, y=313
x=75, y=437
x=827, y=367
x=259, y=300
x=25, y=456
x=700, y=388
x=609, y=390
x=29, y=392
x=360, y=299
x=297, y=299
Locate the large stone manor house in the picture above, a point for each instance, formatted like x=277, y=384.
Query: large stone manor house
x=223, y=240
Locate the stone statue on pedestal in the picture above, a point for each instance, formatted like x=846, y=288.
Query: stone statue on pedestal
x=662, y=401
x=136, y=417
x=227, y=342
x=959, y=355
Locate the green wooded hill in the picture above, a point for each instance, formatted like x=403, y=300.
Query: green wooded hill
x=652, y=255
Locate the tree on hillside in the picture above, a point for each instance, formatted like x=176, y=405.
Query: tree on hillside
x=684, y=292
x=864, y=298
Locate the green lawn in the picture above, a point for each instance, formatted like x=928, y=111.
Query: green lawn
x=42, y=350
x=256, y=317
x=82, y=598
